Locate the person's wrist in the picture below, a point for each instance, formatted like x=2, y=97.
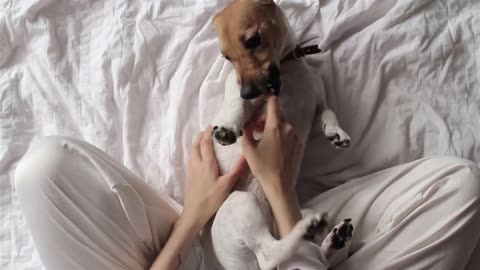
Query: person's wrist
x=275, y=186
x=285, y=207
x=281, y=194
x=190, y=222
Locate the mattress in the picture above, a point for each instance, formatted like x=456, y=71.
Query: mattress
x=139, y=79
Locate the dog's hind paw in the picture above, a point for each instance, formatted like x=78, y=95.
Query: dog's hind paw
x=315, y=224
x=341, y=234
x=338, y=238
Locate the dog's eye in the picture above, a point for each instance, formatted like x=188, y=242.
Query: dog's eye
x=227, y=57
x=253, y=41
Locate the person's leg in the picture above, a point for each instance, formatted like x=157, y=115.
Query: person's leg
x=474, y=261
x=86, y=211
x=421, y=215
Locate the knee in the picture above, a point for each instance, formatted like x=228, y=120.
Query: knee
x=40, y=166
x=462, y=174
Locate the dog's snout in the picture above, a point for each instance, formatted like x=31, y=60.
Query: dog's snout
x=257, y=83
x=250, y=91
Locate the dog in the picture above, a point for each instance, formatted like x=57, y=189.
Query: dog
x=255, y=36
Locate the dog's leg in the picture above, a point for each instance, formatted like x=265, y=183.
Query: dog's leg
x=326, y=120
x=272, y=252
x=228, y=124
x=230, y=119
x=335, y=244
x=317, y=232
x=337, y=240
x=241, y=228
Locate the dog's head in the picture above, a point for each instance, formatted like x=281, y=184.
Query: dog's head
x=252, y=36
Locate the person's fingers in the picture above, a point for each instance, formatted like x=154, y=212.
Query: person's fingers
x=247, y=141
x=274, y=117
x=206, y=147
x=195, y=148
x=288, y=129
x=260, y=123
x=256, y=124
x=232, y=176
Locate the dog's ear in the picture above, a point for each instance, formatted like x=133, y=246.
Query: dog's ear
x=265, y=2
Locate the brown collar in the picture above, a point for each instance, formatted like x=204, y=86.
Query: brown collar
x=300, y=52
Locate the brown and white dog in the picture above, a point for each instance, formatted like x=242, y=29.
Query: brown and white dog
x=255, y=36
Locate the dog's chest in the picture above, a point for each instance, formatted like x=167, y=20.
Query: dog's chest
x=298, y=97
x=298, y=101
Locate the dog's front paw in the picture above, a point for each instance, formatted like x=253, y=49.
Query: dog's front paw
x=225, y=135
x=337, y=136
x=338, y=238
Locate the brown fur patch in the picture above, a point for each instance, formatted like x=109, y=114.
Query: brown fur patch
x=243, y=19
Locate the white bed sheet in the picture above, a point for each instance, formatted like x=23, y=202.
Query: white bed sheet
x=139, y=79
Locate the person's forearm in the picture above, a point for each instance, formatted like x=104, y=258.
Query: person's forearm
x=285, y=207
x=179, y=241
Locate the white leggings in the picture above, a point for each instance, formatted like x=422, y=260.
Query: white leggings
x=86, y=211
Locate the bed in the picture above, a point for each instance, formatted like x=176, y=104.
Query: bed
x=140, y=78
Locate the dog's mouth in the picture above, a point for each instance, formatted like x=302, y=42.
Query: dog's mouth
x=273, y=85
x=252, y=92
x=270, y=84
x=273, y=88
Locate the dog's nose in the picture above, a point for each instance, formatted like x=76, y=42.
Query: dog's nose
x=274, y=83
x=250, y=91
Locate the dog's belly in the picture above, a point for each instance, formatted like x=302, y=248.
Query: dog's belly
x=299, y=97
x=226, y=157
x=239, y=224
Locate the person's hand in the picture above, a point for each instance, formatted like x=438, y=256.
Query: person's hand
x=205, y=189
x=205, y=192
x=274, y=159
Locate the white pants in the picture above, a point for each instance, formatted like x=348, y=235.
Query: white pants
x=86, y=211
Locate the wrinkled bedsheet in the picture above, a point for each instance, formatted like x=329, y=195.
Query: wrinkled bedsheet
x=139, y=79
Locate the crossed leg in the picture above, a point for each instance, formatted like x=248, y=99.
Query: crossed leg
x=420, y=215
x=86, y=211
